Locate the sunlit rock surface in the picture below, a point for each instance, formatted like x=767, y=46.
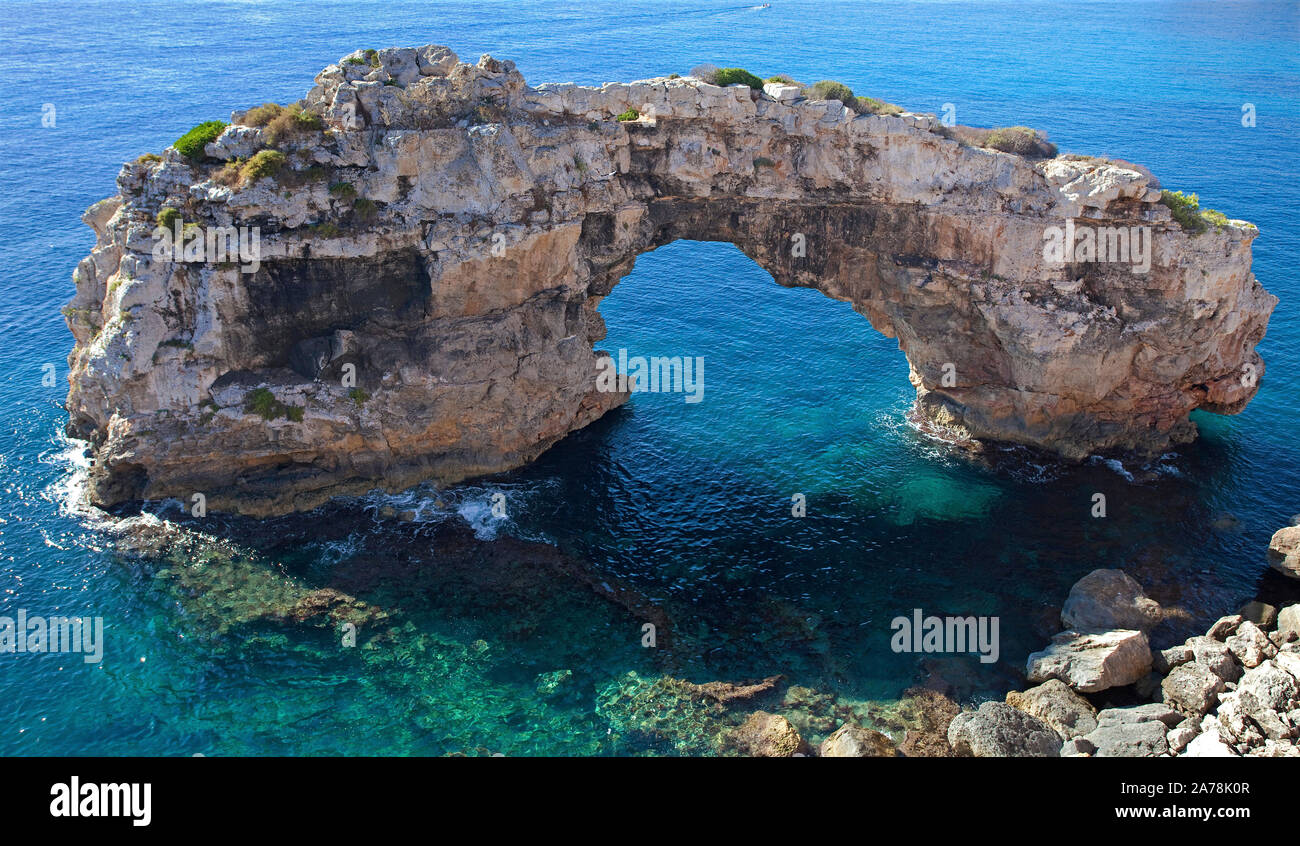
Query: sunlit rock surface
x=449, y=232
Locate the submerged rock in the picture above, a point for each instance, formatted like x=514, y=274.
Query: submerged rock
x=1260, y=613
x=927, y=714
x=766, y=735
x=849, y=741
x=1105, y=600
x=548, y=684
x=729, y=692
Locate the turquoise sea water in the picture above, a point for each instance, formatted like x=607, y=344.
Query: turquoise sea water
x=507, y=637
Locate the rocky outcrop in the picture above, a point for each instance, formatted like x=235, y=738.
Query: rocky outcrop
x=434, y=238
x=1091, y=662
x=1284, y=551
x=1234, y=691
x=1055, y=704
x=850, y=741
x=765, y=735
x=1192, y=688
x=1139, y=732
x=997, y=730
x=1109, y=599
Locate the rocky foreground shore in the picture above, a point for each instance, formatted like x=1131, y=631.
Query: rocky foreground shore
x=1098, y=689
x=1232, y=692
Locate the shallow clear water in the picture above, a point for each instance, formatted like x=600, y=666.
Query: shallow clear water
x=681, y=510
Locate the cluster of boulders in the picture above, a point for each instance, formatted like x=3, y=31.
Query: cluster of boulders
x=767, y=735
x=1234, y=691
x=1101, y=690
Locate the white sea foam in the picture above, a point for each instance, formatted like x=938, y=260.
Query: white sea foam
x=1114, y=464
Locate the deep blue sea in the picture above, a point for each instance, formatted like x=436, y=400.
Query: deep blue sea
x=685, y=507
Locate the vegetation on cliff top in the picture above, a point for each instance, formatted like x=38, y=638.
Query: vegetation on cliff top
x=281, y=123
x=262, y=402
x=732, y=76
x=191, y=144
x=829, y=89
x=1020, y=140
x=1186, y=209
x=826, y=89
x=167, y=217
x=263, y=164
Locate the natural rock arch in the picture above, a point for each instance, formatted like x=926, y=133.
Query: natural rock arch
x=463, y=296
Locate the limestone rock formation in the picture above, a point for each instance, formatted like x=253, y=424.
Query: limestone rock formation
x=997, y=730
x=1092, y=662
x=442, y=234
x=1233, y=692
x=1132, y=732
x=1109, y=599
x=850, y=741
x=1058, y=706
x=765, y=735
x=1284, y=551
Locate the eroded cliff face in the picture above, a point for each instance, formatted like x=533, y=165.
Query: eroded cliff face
x=448, y=236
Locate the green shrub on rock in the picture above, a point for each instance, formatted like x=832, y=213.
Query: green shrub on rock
x=829, y=89
x=1186, y=210
x=630, y=114
x=262, y=115
x=364, y=209
x=167, y=217
x=1216, y=218
x=264, y=164
x=732, y=76
x=262, y=402
x=289, y=122
x=1020, y=140
x=871, y=106
x=191, y=144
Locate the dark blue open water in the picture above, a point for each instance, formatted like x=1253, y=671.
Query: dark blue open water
x=683, y=508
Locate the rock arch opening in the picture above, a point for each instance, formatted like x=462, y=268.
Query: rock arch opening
x=771, y=364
